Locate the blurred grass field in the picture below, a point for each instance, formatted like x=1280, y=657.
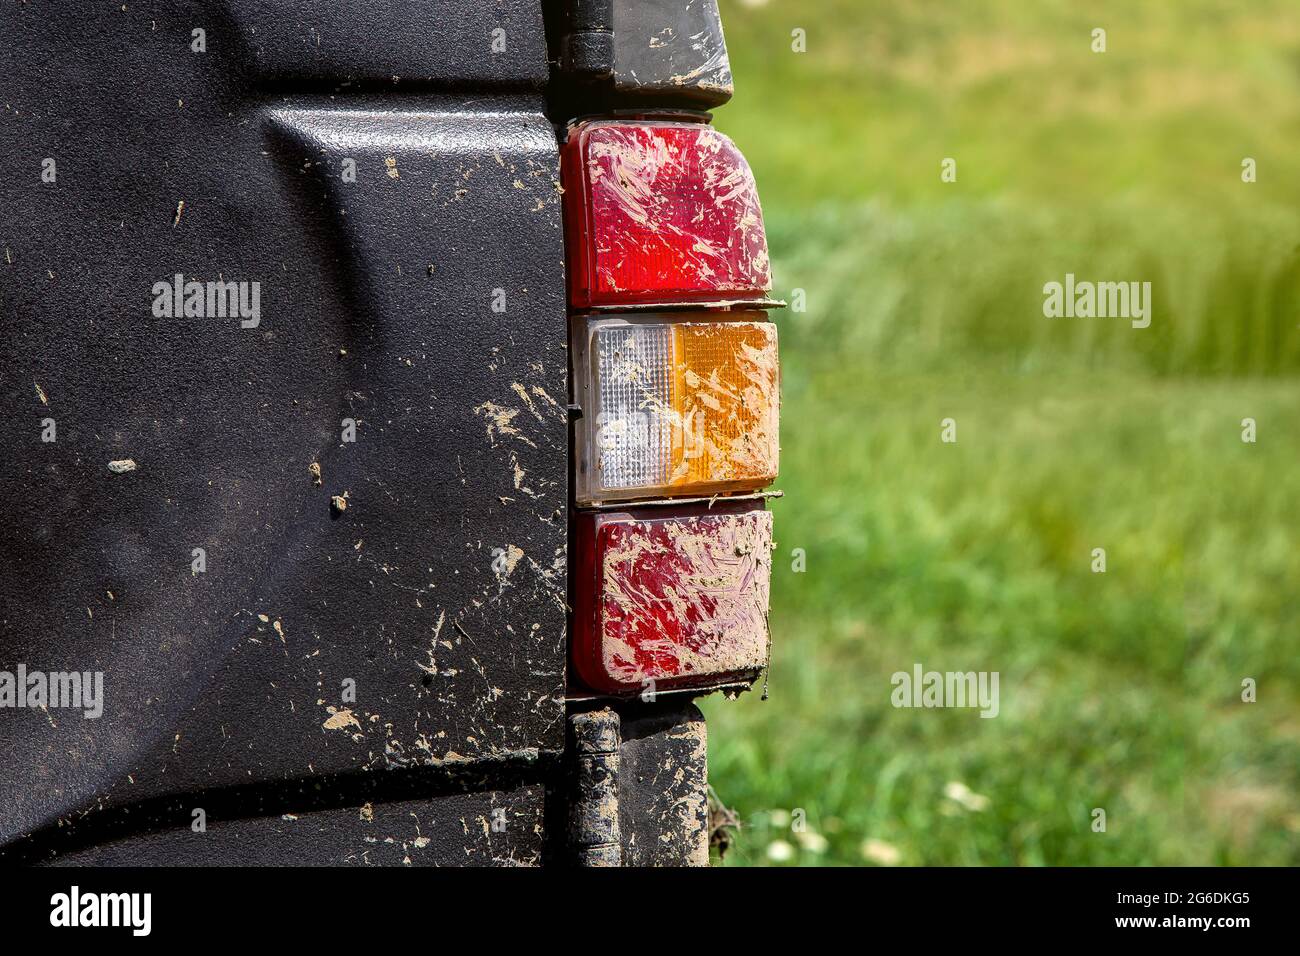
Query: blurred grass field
x=924, y=301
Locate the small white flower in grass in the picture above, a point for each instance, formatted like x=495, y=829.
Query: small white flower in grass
x=778, y=818
x=963, y=795
x=778, y=851
x=813, y=842
x=878, y=851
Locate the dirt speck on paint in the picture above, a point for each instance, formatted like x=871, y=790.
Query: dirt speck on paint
x=527, y=400
x=500, y=421
x=368, y=813
x=314, y=470
x=340, y=719
x=391, y=163
x=40, y=393
x=121, y=466
x=339, y=503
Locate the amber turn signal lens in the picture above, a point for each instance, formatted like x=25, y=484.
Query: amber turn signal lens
x=675, y=408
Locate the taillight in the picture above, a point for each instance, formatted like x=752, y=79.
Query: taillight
x=673, y=405
x=676, y=396
x=671, y=600
x=661, y=213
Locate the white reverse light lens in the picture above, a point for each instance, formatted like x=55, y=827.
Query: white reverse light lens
x=675, y=407
x=634, y=376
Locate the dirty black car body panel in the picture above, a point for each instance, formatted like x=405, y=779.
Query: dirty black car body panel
x=422, y=302
x=308, y=517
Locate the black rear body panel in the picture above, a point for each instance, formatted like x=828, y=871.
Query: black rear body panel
x=325, y=577
x=440, y=589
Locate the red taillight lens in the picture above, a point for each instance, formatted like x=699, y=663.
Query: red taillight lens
x=680, y=600
x=661, y=213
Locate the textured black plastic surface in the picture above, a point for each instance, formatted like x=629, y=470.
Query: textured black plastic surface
x=457, y=44
x=670, y=52
x=479, y=827
x=663, y=783
x=617, y=55
x=440, y=589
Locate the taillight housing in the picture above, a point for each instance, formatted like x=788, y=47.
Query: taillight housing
x=674, y=404
x=676, y=396
x=669, y=600
x=660, y=213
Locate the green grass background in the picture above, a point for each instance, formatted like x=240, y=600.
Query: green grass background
x=924, y=301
